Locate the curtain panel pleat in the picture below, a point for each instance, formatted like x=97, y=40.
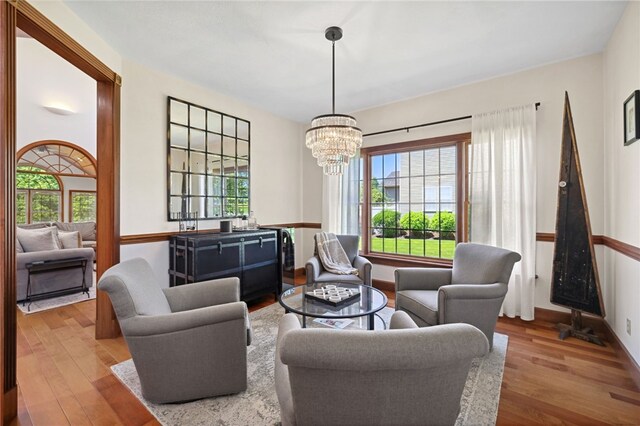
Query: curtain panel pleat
x=340, y=200
x=502, y=195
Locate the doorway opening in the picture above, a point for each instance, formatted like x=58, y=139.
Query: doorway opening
x=21, y=16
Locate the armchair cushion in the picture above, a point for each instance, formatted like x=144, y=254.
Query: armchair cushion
x=202, y=294
x=328, y=277
x=155, y=325
x=421, y=278
x=421, y=303
x=350, y=245
x=133, y=291
x=481, y=264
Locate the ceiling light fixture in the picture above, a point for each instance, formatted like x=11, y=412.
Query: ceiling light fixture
x=333, y=138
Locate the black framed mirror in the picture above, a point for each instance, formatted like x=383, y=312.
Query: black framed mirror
x=208, y=162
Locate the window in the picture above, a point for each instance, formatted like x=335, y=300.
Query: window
x=83, y=206
x=45, y=206
x=21, y=207
x=38, y=196
x=416, y=198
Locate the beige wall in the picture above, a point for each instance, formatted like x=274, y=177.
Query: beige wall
x=44, y=78
x=622, y=180
x=581, y=77
x=276, y=176
x=275, y=160
x=275, y=152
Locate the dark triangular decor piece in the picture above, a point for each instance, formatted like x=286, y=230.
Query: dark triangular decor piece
x=575, y=282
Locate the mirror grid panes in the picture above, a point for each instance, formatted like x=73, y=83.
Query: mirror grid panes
x=208, y=164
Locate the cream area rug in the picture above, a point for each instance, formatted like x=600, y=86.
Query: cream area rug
x=56, y=302
x=258, y=405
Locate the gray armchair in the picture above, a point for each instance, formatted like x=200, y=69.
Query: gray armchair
x=187, y=342
x=402, y=376
x=316, y=273
x=472, y=292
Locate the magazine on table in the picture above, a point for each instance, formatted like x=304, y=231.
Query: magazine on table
x=334, y=323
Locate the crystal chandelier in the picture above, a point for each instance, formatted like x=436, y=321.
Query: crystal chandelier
x=333, y=138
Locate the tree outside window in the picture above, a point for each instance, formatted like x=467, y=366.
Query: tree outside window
x=83, y=206
x=38, y=196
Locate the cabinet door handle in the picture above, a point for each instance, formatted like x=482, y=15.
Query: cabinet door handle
x=260, y=242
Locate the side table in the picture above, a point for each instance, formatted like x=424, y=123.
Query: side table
x=35, y=268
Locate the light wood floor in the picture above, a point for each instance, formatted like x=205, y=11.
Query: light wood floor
x=64, y=375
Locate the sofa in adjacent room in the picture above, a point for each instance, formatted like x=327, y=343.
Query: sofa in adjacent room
x=40, y=242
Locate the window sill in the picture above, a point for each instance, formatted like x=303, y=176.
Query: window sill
x=406, y=261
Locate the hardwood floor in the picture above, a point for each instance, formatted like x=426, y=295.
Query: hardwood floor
x=64, y=376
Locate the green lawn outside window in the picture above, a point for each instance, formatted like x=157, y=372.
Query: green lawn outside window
x=415, y=247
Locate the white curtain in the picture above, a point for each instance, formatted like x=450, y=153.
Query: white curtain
x=350, y=217
x=331, y=203
x=340, y=200
x=502, y=195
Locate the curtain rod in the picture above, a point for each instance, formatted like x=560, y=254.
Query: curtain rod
x=433, y=123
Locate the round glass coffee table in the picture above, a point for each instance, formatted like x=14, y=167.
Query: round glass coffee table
x=370, y=301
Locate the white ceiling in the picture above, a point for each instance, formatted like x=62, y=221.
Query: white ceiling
x=274, y=55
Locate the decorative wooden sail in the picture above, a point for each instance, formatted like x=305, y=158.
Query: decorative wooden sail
x=575, y=282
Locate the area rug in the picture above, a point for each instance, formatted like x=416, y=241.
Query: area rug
x=56, y=302
x=258, y=405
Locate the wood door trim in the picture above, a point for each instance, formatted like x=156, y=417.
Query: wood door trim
x=30, y=20
x=14, y=13
x=8, y=352
x=108, y=201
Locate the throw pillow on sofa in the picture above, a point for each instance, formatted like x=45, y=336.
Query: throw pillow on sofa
x=87, y=229
x=70, y=239
x=37, y=239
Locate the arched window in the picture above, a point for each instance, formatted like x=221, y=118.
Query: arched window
x=38, y=195
x=39, y=190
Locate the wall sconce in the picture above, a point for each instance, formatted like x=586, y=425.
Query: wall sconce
x=60, y=109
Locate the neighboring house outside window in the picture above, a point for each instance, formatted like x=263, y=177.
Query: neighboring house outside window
x=416, y=202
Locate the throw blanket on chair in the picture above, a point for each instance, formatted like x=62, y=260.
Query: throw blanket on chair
x=332, y=255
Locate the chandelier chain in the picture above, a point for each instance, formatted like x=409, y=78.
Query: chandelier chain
x=333, y=77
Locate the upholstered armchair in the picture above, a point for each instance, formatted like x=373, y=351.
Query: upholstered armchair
x=187, y=342
x=316, y=273
x=402, y=376
x=471, y=292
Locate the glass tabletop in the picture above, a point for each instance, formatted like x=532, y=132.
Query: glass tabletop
x=369, y=301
